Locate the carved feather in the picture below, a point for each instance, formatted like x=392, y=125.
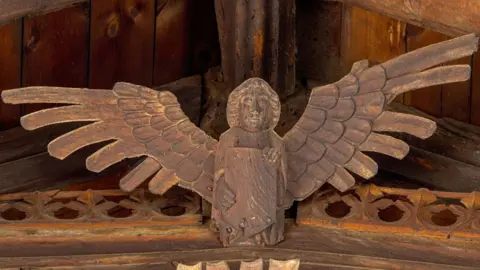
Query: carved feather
x=351, y=111
x=139, y=121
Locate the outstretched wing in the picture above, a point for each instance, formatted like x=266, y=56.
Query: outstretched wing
x=141, y=121
x=341, y=119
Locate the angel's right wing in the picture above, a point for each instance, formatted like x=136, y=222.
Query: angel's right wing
x=142, y=121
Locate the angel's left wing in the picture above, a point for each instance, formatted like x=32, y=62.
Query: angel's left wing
x=341, y=119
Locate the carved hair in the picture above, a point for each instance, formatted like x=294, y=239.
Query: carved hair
x=253, y=84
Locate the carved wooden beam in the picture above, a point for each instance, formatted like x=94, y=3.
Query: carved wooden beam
x=13, y=9
x=135, y=244
x=453, y=18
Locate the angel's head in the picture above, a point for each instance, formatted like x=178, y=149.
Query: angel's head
x=253, y=106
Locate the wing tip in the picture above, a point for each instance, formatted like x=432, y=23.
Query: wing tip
x=359, y=66
x=465, y=72
x=125, y=188
x=369, y=174
x=403, y=152
x=54, y=151
x=4, y=96
x=429, y=129
x=122, y=84
x=26, y=122
x=93, y=166
x=8, y=96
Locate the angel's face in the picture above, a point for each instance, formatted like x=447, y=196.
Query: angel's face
x=254, y=109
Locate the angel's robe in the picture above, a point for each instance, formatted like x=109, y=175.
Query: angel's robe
x=258, y=184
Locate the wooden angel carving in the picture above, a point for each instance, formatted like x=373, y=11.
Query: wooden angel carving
x=251, y=175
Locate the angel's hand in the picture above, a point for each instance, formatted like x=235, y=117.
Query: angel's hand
x=271, y=154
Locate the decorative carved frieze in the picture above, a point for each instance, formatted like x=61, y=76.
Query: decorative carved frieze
x=91, y=207
x=391, y=210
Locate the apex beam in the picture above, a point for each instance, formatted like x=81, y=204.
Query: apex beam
x=14, y=9
x=452, y=18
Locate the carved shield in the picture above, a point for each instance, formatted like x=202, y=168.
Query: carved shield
x=254, y=181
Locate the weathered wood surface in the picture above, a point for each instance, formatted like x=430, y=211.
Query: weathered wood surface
x=257, y=39
x=384, y=210
x=360, y=28
x=56, y=50
x=172, y=40
x=14, y=9
x=452, y=18
x=41, y=172
x=452, y=138
x=432, y=170
x=316, y=248
x=10, y=70
x=121, y=43
x=448, y=160
x=318, y=35
x=369, y=35
x=475, y=94
x=25, y=164
x=204, y=37
x=428, y=99
x=18, y=143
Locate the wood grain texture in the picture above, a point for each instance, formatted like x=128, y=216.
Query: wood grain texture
x=17, y=143
x=10, y=70
x=43, y=172
x=319, y=36
x=18, y=8
x=453, y=149
x=205, y=39
x=173, y=36
x=432, y=170
x=121, y=42
x=456, y=97
x=449, y=100
x=428, y=100
x=450, y=18
x=164, y=248
x=56, y=50
x=257, y=39
x=475, y=94
x=368, y=35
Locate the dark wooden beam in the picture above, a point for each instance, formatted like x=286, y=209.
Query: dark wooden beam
x=14, y=9
x=257, y=39
x=452, y=18
x=448, y=160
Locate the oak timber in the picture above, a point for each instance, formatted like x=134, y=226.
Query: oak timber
x=452, y=18
x=14, y=9
x=164, y=248
x=452, y=152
